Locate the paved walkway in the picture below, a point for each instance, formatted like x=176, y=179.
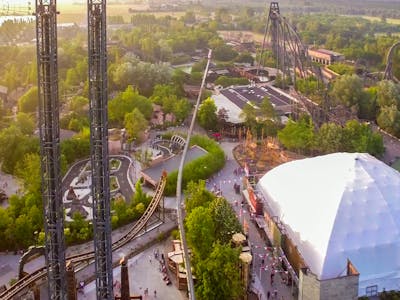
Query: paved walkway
x=8, y=267
x=225, y=180
x=134, y=250
x=144, y=273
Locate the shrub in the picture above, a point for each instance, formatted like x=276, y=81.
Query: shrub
x=201, y=168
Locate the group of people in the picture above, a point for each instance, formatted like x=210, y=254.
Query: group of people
x=163, y=266
x=146, y=292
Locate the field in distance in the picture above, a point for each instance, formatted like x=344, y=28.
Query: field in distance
x=76, y=13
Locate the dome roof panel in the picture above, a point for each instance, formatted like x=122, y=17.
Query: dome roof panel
x=341, y=206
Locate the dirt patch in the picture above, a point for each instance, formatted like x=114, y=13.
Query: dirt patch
x=262, y=156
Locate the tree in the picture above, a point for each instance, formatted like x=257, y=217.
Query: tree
x=25, y=123
x=308, y=86
x=135, y=124
x=139, y=196
x=122, y=211
x=75, y=148
x=329, y=138
x=218, y=275
x=389, y=119
x=72, y=78
x=28, y=102
x=268, y=118
x=3, y=113
x=79, y=105
x=6, y=222
x=358, y=137
x=298, y=136
x=167, y=97
x=197, y=195
x=125, y=102
x=225, y=220
x=348, y=90
x=224, y=53
x=181, y=109
x=249, y=114
x=14, y=146
x=189, y=17
x=142, y=75
x=122, y=74
x=267, y=111
x=23, y=231
x=245, y=57
x=368, y=105
x=207, y=114
x=11, y=78
x=28, y=170
x=388, y=94
x=200, y=231
x=79, y=229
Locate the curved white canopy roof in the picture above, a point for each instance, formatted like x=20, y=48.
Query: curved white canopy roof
x=337, y=207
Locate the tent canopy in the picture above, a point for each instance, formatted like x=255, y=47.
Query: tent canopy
x=337, y=207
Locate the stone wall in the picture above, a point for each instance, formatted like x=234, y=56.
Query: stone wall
x=343, y=288
x=309, y=286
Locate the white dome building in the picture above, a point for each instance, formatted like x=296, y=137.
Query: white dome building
x=340, y=207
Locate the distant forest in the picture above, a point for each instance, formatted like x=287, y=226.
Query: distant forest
x=376, y=8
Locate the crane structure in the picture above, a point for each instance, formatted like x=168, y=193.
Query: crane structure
x=49, y=131
x=97, y=53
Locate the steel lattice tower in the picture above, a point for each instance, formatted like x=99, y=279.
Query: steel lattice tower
x=99, y=147
x=273, y=17
x=46, y=35
x=287, y=48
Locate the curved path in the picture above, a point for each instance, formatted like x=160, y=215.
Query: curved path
x=126, y=187
x=85, y=258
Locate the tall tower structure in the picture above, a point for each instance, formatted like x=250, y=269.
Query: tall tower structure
x=99, y=147
x=273, y=17
x=49, y=131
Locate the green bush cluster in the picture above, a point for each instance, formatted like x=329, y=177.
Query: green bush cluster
x=201, y=168
x=124, y=212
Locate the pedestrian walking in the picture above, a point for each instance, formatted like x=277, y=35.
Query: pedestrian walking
x=155, y=294
x=268, y=295
x=276, y=294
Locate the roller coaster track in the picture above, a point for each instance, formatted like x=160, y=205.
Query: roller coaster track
x=86, y=257
x=388, y=70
